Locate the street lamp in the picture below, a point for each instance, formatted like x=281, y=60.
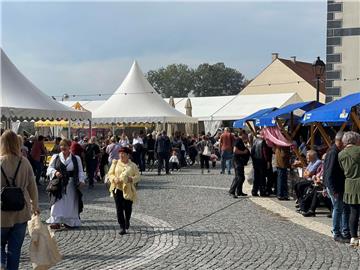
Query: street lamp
x=318, y=69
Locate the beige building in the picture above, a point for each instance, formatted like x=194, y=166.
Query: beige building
x=342, y=48
x=286, y=76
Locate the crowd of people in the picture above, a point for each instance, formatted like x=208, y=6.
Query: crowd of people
x=333, y=179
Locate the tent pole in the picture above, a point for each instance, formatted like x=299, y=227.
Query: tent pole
x=251, y=128
x=293, y=134
x=323, y=134
x=343, y=126
x=287, y=136
x=312, y=136
x=291, y=123
x=308, y=141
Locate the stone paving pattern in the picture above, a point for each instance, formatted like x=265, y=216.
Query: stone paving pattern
x=188, y=221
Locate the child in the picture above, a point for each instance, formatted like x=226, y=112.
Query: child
x=213, y=159
x=174, y=161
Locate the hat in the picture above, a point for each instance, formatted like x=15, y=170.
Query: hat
x=126, y=150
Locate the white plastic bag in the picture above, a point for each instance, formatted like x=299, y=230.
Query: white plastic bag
x=44, y=252
x=250, y=176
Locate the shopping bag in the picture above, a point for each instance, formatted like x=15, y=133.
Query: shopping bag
x=44, y=252
x=250, y=176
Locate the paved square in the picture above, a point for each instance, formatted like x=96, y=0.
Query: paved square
x=187, y=221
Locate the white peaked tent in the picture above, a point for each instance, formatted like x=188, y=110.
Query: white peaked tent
x=22, y=100
x=136, y=101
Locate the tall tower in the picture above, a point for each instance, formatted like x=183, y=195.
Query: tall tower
x=342, y=48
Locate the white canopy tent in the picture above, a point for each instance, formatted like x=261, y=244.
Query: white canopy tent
x=136, y=101
x=22, y=100
x=243, y=105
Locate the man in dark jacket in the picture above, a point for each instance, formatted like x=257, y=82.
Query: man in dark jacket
x=163, y=149
x=258, y=154
x=334, y=180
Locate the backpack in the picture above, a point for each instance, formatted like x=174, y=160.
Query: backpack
x=257, y=149
x=12, y=197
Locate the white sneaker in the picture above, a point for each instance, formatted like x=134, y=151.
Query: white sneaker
x=354, y=242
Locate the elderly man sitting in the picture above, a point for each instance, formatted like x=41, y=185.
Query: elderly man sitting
x=311, y=169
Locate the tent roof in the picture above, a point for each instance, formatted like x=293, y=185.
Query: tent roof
x=21, y=99
x=335, y=111
x=241, y=122
x=243, y=105
x=269, y=119
x=202, y=107
x=136, y=101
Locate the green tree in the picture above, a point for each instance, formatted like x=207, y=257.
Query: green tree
x=217, y=80
x=175, y=80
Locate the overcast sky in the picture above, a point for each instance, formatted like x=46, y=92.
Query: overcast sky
x=88, y=47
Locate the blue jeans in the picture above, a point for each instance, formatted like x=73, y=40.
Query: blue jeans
x=282, y=185
x=226, y=161
x=340, y=215
x=13, y=238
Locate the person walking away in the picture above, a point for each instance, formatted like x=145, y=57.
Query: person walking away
x=258, y=154
x=38, y=150
x=112, y=150
x=123, y=175
x=76, y=149
x=92, y=153
x=334, y=180
x=227, y=141
x=204, y=148
x=349, y=160
x=15, y=169
x=241, y=156
x=282, y=157
x=163, y=148
x=174, y=161
x=138, y=146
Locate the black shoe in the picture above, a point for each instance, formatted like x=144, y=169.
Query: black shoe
x=283, y=199
x=297, y=205
x=122, y=232
x=159, y=173
x=233, y=195
x=242, y=194
x=309, y=214
x=339, y=238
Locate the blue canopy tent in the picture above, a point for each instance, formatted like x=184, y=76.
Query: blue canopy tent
x=287, y=113
x=252, y=117
x=338, y=111
x=269, y=120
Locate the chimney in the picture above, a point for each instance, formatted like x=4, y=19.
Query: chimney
x=274, y=56
x=293, y=59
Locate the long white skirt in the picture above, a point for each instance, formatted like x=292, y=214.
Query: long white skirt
x=66, y=210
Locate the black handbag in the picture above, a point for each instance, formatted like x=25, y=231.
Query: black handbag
x=54, y=185
x=12, y=197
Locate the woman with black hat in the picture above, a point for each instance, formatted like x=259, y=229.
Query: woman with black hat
x=123, y=175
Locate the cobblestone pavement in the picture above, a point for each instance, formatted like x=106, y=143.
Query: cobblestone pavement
x=188, y=221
